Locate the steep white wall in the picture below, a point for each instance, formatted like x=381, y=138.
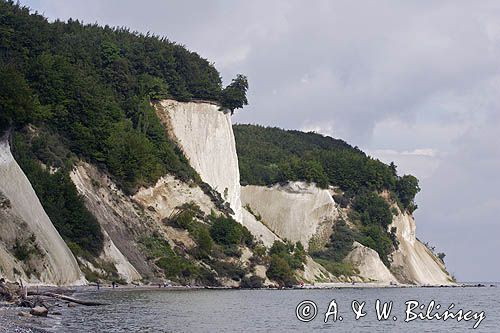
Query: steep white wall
x=113, y=255
x=259, y=230
x=413, y=262
x=61, y=268
x=369, y=265
x=206, y=137
x=296, y=211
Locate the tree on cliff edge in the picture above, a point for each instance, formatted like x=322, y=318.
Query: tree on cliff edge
x=234, y=96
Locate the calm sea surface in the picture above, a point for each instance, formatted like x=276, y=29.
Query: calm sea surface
x=165, y=310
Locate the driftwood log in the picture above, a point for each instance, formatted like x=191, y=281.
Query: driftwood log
x=67, y=298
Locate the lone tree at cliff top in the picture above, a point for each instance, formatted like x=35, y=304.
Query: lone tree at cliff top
x=234, y=96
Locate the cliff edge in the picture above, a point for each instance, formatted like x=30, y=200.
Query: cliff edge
x=30, y=246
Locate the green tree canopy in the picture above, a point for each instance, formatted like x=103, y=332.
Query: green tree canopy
x=16, y=99
x=234, y=96
x=407, y=187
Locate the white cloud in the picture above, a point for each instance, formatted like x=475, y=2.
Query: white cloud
x=420, y=162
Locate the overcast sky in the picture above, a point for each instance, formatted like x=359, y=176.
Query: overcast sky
x=415, y=82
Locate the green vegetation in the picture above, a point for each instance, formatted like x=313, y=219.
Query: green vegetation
x=271, y=155
x=217, y=240
x=24, y=249
x=229, y=233
x=407, y=187
x=340, y=243
x=339, y=246
x=373, y=209
x=234, y=95
x=94, y=86
x=280, y=271
x=337, y=268
x=374, y=237
x=17, y=103
x=294, y=254
x=59, y=198
x=184, y=218
x=228, y=269
x=173, y=264
x=285, y=258
x=373, y=216
x=252, y=282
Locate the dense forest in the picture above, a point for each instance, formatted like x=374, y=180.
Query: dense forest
x=93, y=86
x=80, y=91
x=271, y=155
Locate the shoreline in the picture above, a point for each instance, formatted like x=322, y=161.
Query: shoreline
x=319, y=286
x=12, y=321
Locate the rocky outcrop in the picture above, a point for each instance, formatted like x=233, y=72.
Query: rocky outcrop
x=25, y=220
x=296, y=211
x=302, y=212
x=413, y=262
x=119, y=218
x=205, y=135
x=367, y=262
x=169, y=193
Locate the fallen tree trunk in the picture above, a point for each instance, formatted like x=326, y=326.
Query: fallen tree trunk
x=67, y=298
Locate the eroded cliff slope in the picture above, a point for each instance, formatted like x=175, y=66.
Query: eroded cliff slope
x=205, y=135
x=30, y=246
x=413, y=262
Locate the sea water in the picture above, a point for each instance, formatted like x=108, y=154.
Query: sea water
x=328, y=310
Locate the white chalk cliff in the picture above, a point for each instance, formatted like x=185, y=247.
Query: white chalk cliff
x=24, y=215
x=295, y=211
x=299, y=211
x=369, y=265
x=413, y=262
x=205, y=135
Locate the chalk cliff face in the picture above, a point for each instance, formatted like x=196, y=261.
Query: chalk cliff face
x=206, y=137
x=303, y=212
x=21, y=216
x=413, y=262
x=296, y=211
x=369, y=265
x=116, y=215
